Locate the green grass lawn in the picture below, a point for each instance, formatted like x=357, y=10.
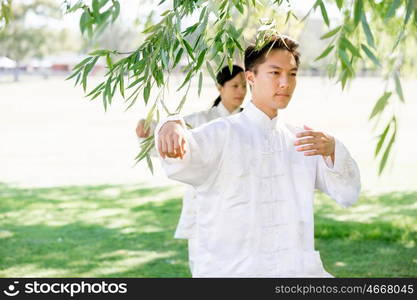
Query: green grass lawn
x=127, y=231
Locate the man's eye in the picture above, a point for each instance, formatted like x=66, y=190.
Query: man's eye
x=275, y=72
x=294, y=74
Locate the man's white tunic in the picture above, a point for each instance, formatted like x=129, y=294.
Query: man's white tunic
x=254, y=196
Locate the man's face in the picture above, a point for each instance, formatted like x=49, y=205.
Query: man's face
x=274, y=81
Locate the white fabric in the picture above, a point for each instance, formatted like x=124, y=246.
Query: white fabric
x=186, y=225
x=187, y=222
x=254, y=196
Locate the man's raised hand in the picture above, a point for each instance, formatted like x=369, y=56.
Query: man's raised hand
x=315, y=143
x=171, y=140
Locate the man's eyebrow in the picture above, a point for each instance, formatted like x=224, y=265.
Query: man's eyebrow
x=278, y=67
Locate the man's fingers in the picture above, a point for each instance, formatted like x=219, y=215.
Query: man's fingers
x=160, y=148
x=177, y=148
x=305, y=141
x=307, y=133
x=169, y=145
x=311, y=153
x=181, y=146
x=165, y=148
x=305, y=148
x=183, y=142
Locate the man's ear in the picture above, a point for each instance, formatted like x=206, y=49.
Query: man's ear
x=250, y=76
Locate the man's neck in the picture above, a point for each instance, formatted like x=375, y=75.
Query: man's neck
x=271, y=113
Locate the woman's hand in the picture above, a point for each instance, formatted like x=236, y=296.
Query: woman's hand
x=140, y=130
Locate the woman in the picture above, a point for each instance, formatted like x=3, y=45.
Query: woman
x=232, y=89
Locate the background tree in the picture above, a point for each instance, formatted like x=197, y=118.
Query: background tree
x=5, y=12
x=20, y=40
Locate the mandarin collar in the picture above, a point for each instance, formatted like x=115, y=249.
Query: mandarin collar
x=258, y=117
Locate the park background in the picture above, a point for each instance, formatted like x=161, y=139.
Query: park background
x=74, y=204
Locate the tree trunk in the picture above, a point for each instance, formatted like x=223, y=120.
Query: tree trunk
x=16, y=72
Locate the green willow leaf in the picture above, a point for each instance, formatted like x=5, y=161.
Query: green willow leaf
x=398, y=87
x=178, y=57
x=344, y=76
x=409, y=11
x=387, y=152
x=100, y=86
x=87, y=69
x=368, y=33
x=188, y=48
x=84, y=21
x=371, y=55
x=187, y=78
x=382, y=139
x=350, y=46
x=399, y=38
x=83, y=62
x=210, y=70
x=181, y=104
x=345, y=59
x=239, y=7
x=109, y=62
x=357, y=12
x=325, y=52
x=147, y=91
x=339, y=4
x=380, y=104
x=324, y=13
x=200, y=83
x=116, y=10
x=121, y=82
x=200, y=59
x=149, y=162
x=392, y=9
x=134, y=83
x=78, y=72
x=331, y=33
x=100, y=53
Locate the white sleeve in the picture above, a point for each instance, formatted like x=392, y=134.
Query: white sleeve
x=197, y=119
x=204, y=147
x=340, y=181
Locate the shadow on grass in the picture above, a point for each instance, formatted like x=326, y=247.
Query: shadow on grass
x=376, y=237
x=79, y=246
x=127, y=231
x=354, y=249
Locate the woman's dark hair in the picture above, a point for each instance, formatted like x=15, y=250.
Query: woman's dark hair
x=224, y=76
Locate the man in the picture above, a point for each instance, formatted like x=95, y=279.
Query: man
x=255, y=177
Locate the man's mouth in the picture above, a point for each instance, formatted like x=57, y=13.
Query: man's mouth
x=282, y=95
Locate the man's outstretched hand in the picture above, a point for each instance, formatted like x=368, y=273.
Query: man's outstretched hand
x=171, y=140
x=316, y=143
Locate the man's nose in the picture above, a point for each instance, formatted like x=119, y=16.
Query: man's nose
x=283, y=82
